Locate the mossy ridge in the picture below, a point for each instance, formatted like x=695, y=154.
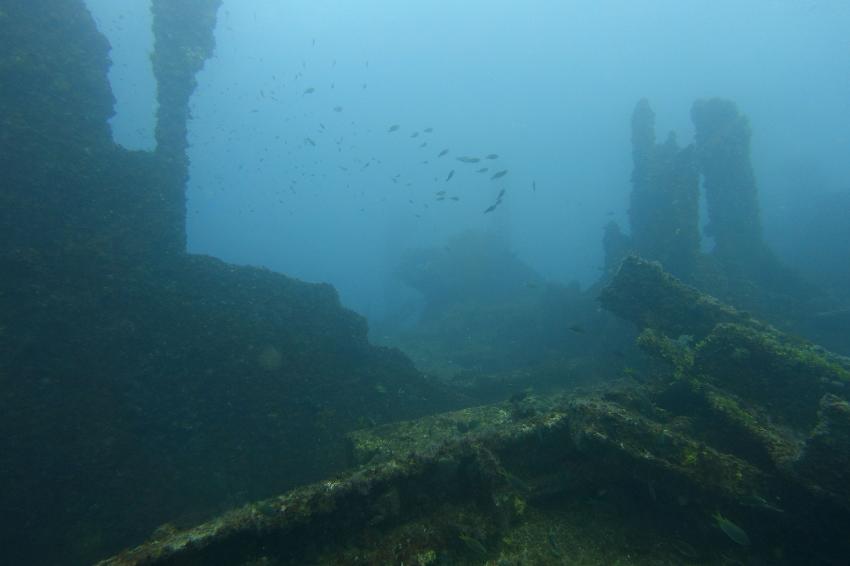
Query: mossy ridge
x=643, y=293
x=785, y=376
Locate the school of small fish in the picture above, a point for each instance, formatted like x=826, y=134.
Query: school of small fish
x=305, y=174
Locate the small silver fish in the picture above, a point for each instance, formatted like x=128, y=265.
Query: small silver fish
x=451, y=174
x=731, y=530
x=394, y=128
x=442, y=153
x=760, y=502
x=685, y=549
x=310, y=90
x=466, y=159
x=492, y=156
x=473, y=544
x=499, y=175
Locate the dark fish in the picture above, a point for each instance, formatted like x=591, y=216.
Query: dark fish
x=440, y=193
x=442, y=153
x=499, y=175
x=466, y=159
x=577, y=328
x=337, y=108
x=501, y=194
x=492, y=156
x=455, y=198
x=553, y=544
x=310, y=90
x=311, y=142
x=394, y=128
x=492, y=207
x=483, y=170
x=534, y=185
x=451, y=174
x=414, y=135
x=428, y=130
x=423, y=144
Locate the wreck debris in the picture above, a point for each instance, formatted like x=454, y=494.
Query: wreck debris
x=485, y=483
x=643, y=293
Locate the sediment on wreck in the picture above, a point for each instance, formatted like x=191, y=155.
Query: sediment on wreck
x=770, y=388
x=528, y=478
x=748, y=428
x=140, y=384
x=748, y=389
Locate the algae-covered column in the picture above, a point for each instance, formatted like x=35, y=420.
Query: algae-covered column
x=664, y=214
x=184, y=40
x=723, y=150
x=55, y=103
x=184, y=33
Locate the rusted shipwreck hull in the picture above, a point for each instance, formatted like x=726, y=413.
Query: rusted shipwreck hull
x=738, y=425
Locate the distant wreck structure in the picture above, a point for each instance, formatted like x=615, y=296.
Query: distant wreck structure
x=722, y=146
x=664, y=213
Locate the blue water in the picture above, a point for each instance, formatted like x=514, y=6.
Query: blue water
x=548, y=86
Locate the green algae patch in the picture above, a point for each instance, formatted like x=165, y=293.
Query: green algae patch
x=783, y=375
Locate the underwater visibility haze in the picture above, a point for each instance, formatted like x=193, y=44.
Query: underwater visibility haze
x=293, y=167
x=375, y=282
